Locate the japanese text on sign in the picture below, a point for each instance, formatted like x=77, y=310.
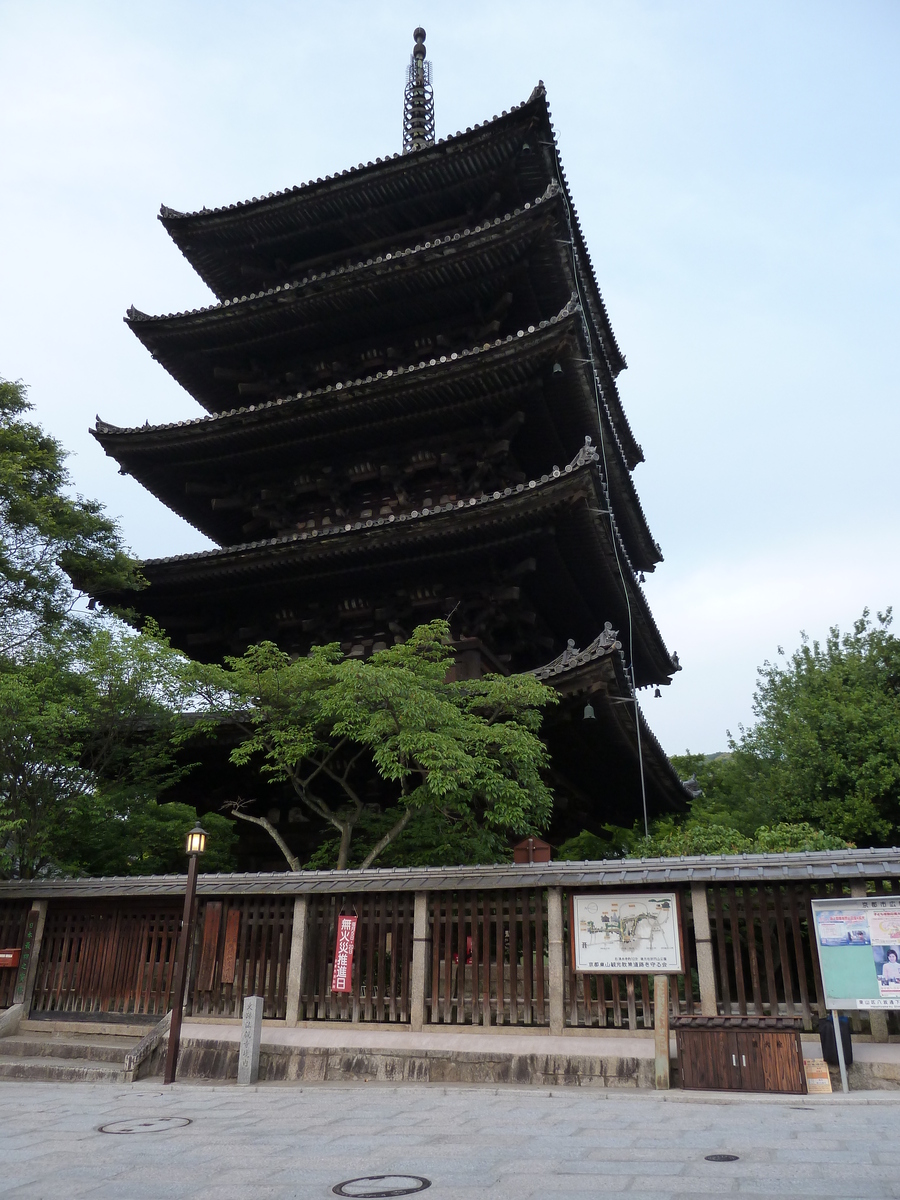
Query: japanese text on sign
x=634, y=933
x=341, y=976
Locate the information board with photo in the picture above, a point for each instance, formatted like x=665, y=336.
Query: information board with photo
x=636, y=933
x=859, y=950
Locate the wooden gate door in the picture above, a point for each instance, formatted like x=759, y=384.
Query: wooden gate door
x=107, y=957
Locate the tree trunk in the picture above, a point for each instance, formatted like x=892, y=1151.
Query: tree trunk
x=392, y=833
x=344, y=852
x=293, y=860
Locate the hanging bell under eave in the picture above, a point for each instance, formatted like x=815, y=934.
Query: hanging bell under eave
x=589, y=714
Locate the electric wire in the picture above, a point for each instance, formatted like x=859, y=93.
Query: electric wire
x=614, y=537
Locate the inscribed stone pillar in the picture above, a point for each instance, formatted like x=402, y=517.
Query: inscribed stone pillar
x=251, y=1036
x=706, y=969
x=419, y=963
x=297, y=960
x=555, y=937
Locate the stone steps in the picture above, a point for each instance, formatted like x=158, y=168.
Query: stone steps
x=43, y=1068
x=67, y=1052
x=104, y=1050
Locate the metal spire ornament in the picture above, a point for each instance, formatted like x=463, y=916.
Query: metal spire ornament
x=418, y=100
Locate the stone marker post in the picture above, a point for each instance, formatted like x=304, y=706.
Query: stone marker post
x=661, y=1030
x=251, y=1035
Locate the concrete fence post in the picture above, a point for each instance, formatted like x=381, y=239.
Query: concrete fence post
x=557, y=982
x=31, y=952
x=706, y=969
x=297, y=961
x=661, y=1030
x=419, y=963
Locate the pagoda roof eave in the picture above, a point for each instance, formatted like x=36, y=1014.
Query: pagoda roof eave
x=316, y=411
x=524, y=504
x=447, y=154
x=295, y=317
x=313, y=403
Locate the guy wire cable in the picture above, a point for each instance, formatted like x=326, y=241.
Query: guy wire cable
x=600, y=404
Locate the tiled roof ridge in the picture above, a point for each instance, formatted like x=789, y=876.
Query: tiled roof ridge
x=571, y=658
x=425, y=364
x=586, y=456
x=620, y=448
x=135, y=315
x=583, y=244
x=173, y=214
x=860, y=864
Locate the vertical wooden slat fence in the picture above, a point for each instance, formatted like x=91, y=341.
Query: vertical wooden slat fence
x=488, y=958
x=764, y=949
x=241, y=949
x=486, y=963
x=13, y=915
x=382, y=956
x=105, y=958
x=626, y=1001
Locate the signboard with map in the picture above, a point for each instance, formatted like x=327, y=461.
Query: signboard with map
x=859, y=951
x=636, y=933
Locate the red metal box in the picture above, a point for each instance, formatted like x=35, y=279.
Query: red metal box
x=9, y=958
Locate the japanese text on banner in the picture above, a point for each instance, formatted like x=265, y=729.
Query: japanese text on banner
x=341, y=976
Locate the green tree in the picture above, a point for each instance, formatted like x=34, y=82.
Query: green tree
x=465, y=750
x=825, y=747
x=820, y=768
x=89, y=721
x=46, y=536
x=670, y=838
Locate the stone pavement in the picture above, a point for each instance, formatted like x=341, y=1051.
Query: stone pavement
x=508, y=1143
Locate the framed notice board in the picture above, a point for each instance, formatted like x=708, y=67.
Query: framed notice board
x=859, y=951
x=632, y=933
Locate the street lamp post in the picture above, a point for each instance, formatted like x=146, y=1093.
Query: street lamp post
x=194, y=847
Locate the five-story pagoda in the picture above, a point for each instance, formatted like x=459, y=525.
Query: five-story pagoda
x=412, y=412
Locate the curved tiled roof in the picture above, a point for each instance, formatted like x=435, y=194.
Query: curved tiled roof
x=270, y=553
x=177, y=222
x=800, y=866
x=135, y=316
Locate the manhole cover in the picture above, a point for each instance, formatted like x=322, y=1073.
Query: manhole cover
x=145, y=1125
x=721, y=1157
x=382, y=1185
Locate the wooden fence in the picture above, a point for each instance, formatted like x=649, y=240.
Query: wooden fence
x=382, y=956
x=485, y=956
x=102, y=958
x=13, y=915
x=243, y=948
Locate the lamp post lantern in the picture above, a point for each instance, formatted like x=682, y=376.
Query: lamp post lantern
x=194, y=847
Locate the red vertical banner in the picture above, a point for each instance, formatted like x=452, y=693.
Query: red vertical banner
x=341, y=976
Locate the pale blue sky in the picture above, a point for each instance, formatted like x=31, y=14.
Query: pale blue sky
x=735, y=167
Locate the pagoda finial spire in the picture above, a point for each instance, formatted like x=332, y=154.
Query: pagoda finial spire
x=418, y=101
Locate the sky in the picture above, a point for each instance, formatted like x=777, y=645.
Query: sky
x=737, y=175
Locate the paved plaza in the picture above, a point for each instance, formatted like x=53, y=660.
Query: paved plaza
x=220, y=1142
